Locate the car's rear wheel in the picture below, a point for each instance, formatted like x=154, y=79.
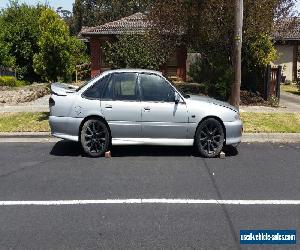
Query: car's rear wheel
x=209, y=138
x=95, y=137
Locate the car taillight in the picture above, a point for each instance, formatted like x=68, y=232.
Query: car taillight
x=51, y=102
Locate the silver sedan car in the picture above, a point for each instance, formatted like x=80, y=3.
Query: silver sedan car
x=134, y=106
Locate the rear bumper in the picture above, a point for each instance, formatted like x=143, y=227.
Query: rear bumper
x=65, y=127
x=234, y=132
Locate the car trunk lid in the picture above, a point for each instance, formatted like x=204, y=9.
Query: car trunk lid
x=62, y=89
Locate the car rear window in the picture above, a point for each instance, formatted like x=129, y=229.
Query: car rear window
x=96, y=90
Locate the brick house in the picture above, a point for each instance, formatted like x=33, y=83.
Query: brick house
x=287, y=42
x=138, y=24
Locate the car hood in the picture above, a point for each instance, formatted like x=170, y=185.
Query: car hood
x=211, y=100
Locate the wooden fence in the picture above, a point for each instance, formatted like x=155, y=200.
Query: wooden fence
x=272, y=82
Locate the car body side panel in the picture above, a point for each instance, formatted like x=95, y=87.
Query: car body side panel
x=123, y=118
x=164, y=120
x=75, y=109
x=232, y=125
x=84, y=107
x=65, y=127
x=63, y=104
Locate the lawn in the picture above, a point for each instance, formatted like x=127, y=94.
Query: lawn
x=271, y=122
x=292, y=88
x=24, y=122
x=253, y=122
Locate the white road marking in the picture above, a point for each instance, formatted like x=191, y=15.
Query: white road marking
x=149, y=201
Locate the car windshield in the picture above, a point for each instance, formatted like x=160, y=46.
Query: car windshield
x=170, y=81
x=178, y=90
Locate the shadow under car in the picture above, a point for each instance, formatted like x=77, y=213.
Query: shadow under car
x=70, y=148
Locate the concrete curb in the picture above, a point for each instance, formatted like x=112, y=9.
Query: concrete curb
x=247, y=137
x=25, y=135
x=271, y=137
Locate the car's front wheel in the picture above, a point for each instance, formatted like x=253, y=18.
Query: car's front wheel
x=95, y=137
x=209, y=138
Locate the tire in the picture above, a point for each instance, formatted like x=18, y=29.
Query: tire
x=209, y=138
x=94, y=137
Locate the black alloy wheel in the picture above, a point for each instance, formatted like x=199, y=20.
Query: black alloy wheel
x=95, y=138
x=210, y=138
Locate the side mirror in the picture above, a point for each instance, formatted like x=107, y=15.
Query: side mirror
x=176, y=98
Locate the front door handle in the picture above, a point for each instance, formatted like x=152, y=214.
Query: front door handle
x=147, y=108
x=108, y=106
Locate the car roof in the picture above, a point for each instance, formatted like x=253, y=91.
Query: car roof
x=132, y=71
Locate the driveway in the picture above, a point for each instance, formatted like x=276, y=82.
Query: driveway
x=57, y=173
x=39, y=105
x=289, y=103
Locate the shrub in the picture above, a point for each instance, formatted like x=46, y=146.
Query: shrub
x=252, y=98
x=11, y=81
x=273, y=101
x=191, y=88
x=258, y=51
x=145, y=51
x=215, y=75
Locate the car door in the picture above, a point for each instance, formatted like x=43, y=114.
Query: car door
x=161, y=116
x=121, y=105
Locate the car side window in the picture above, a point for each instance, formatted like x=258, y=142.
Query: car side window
x=108, y=93
x=95, y=91
x=122, y=86
x=155, y=88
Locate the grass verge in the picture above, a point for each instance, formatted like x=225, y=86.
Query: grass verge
x=293, y=89
x=24, y=122
x=271, y=122
x=253, y=122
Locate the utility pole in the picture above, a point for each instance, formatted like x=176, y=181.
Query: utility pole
x=238, y=38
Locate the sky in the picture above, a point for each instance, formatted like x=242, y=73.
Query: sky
x=298, y=5
x=67, y=4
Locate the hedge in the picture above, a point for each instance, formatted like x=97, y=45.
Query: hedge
x=11, y=81
x=191, y=88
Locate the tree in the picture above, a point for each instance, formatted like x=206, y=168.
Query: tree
x=58, y=52
x=18, y=38
x=209, y=29
x=235, y=94
x=137, y=51
x=66, y=15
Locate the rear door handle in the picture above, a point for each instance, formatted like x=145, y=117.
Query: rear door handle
x=147, y=108
x=108, y=106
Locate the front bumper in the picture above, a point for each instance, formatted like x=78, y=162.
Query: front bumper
x=234, y=131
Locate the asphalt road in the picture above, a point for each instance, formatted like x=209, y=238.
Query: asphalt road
x=48, y=171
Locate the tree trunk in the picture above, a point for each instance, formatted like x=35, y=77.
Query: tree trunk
x=238, y=32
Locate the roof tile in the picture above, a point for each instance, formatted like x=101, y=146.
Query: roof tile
x=288, y=30
x=136, y=23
